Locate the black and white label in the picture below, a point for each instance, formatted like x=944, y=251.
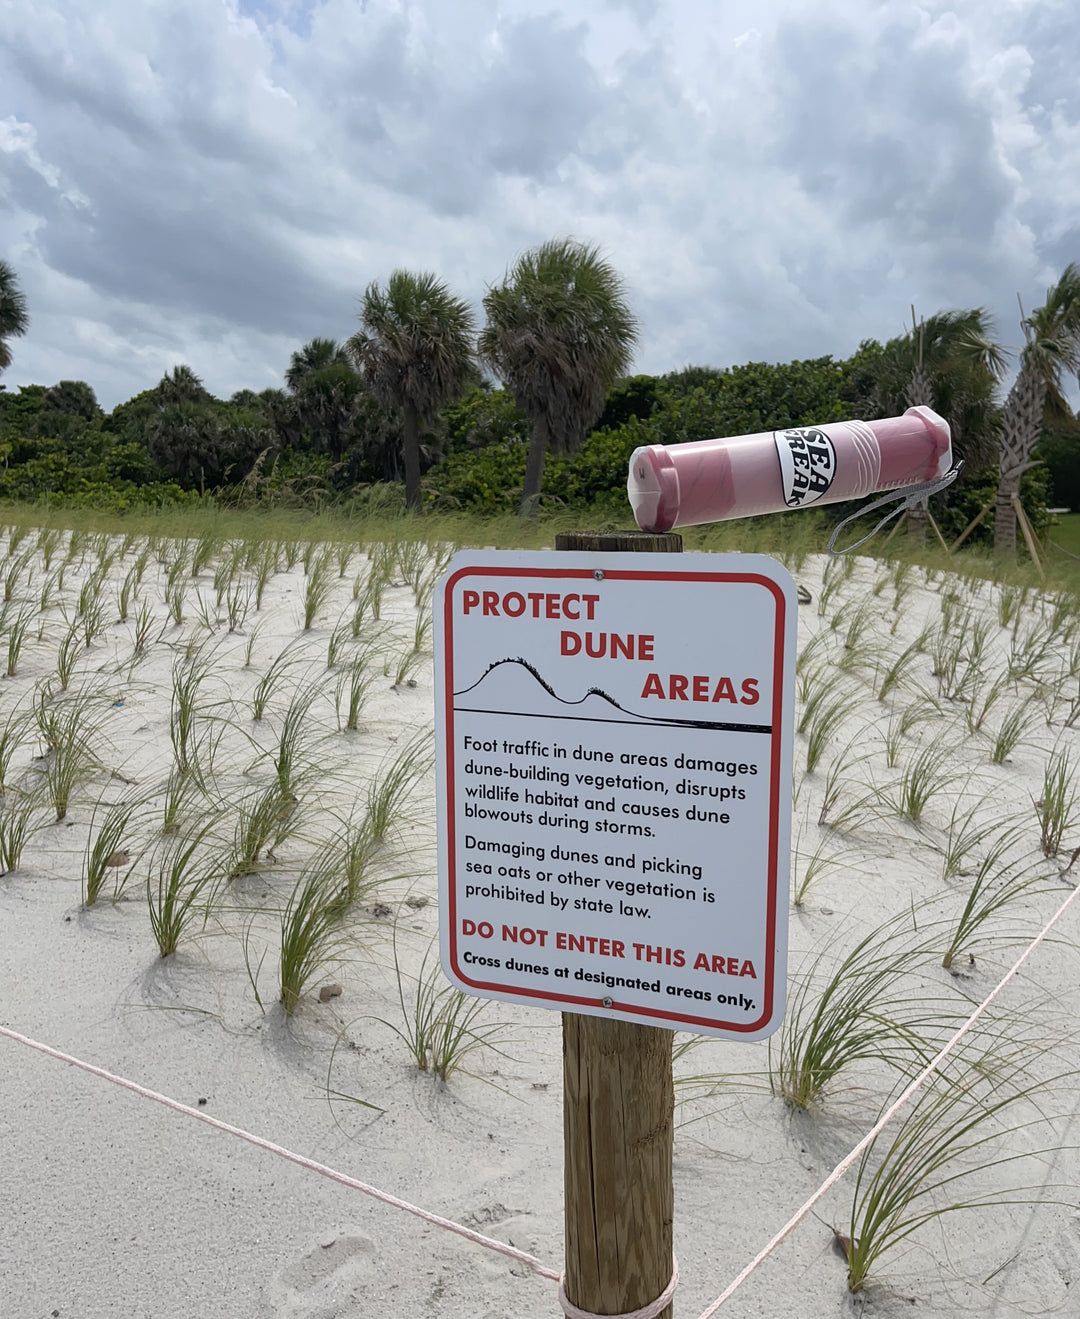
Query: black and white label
x=807, y=464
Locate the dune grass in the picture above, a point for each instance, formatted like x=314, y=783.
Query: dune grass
x=863, y=1010
x=954, y=1150
x=440, y=1026
x=180, y=889
x=312, y=935
x=106, y=850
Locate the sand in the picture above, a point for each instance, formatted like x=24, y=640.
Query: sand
x=115, y=1206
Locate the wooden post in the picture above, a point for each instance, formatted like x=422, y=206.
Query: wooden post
x=618, y=1119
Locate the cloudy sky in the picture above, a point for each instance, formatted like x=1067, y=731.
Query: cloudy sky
x=216, y=181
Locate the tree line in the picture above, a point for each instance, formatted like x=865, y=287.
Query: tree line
x=535, y=407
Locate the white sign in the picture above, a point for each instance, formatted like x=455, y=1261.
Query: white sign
x=614, y=784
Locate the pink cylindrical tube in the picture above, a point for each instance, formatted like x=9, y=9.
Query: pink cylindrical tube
x=679, y=485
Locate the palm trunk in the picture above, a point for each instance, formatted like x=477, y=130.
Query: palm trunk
x=919, y=393
x=1023, y=420
x=534, y=468
x=1005, y=516
x=412, y=458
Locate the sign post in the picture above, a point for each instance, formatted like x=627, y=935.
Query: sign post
x=614, y=773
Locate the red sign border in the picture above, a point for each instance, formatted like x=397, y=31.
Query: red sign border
x=671, y=1020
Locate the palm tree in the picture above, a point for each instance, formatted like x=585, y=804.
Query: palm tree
x=313, y=357
x=415, y=351
x=1051, y=349
x=14, y=319
x=559, y=333
x=180, y=385
x=955, y=367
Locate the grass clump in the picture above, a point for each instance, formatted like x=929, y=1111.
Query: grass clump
x=863, y=1012
x=105, y=851
x=958, y=1132
x=390, y=787
x=265, y=819
x=441, y=1024
x=181, y=890
x=924, y=777
x=320, y=584
x=18, y=824
x=996, y=885
x=1011, y=732
x=1055, y=808
x=310, y=930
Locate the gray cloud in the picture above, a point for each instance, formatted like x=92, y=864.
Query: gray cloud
x=216, y=184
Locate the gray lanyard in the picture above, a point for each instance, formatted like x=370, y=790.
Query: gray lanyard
x=904, y=499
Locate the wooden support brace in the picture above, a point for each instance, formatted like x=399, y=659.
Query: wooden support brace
x=896, y=527
x=937, y=530
x=1029, y=534
x=973, y=524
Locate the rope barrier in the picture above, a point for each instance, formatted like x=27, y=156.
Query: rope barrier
x=491, y=1243
x=311, y=1164
x=649, y=1311
x=886, y=1117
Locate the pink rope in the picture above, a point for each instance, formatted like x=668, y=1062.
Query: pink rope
x=886, y=1117
x=649, y=1311
x=655, y=1307
x=263, y=1144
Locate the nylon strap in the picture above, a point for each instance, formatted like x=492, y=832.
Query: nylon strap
x=904, y=499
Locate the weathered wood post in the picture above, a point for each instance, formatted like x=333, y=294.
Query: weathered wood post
x=618, y=1118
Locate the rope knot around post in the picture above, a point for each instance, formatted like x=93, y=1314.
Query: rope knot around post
x=650, y=1311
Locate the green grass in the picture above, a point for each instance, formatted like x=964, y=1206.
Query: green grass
x=1056, y=808
x=19, y=821
x=996, y=885
x=105, y=850
x=862, y=1011
x=948, y=1154
x=311, y=934
x=441, y=1026
x=786, y=536
x=181, y=890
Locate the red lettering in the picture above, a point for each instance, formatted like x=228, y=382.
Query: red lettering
x=722, y=966
x=677, y=684
x=653, y=687
x=590, y=603
x=514, y=604
x=469, y=600
x=566, y=606
x=725, y=691
x=750, y=693
x=701, y=687
x=536, y=597
x=596, y=649
x=626, y=645
x=511, y=934
x=551, y=606
x=569, y=643
x=491, y=603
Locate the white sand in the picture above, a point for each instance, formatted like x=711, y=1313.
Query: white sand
x=114, y=1206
